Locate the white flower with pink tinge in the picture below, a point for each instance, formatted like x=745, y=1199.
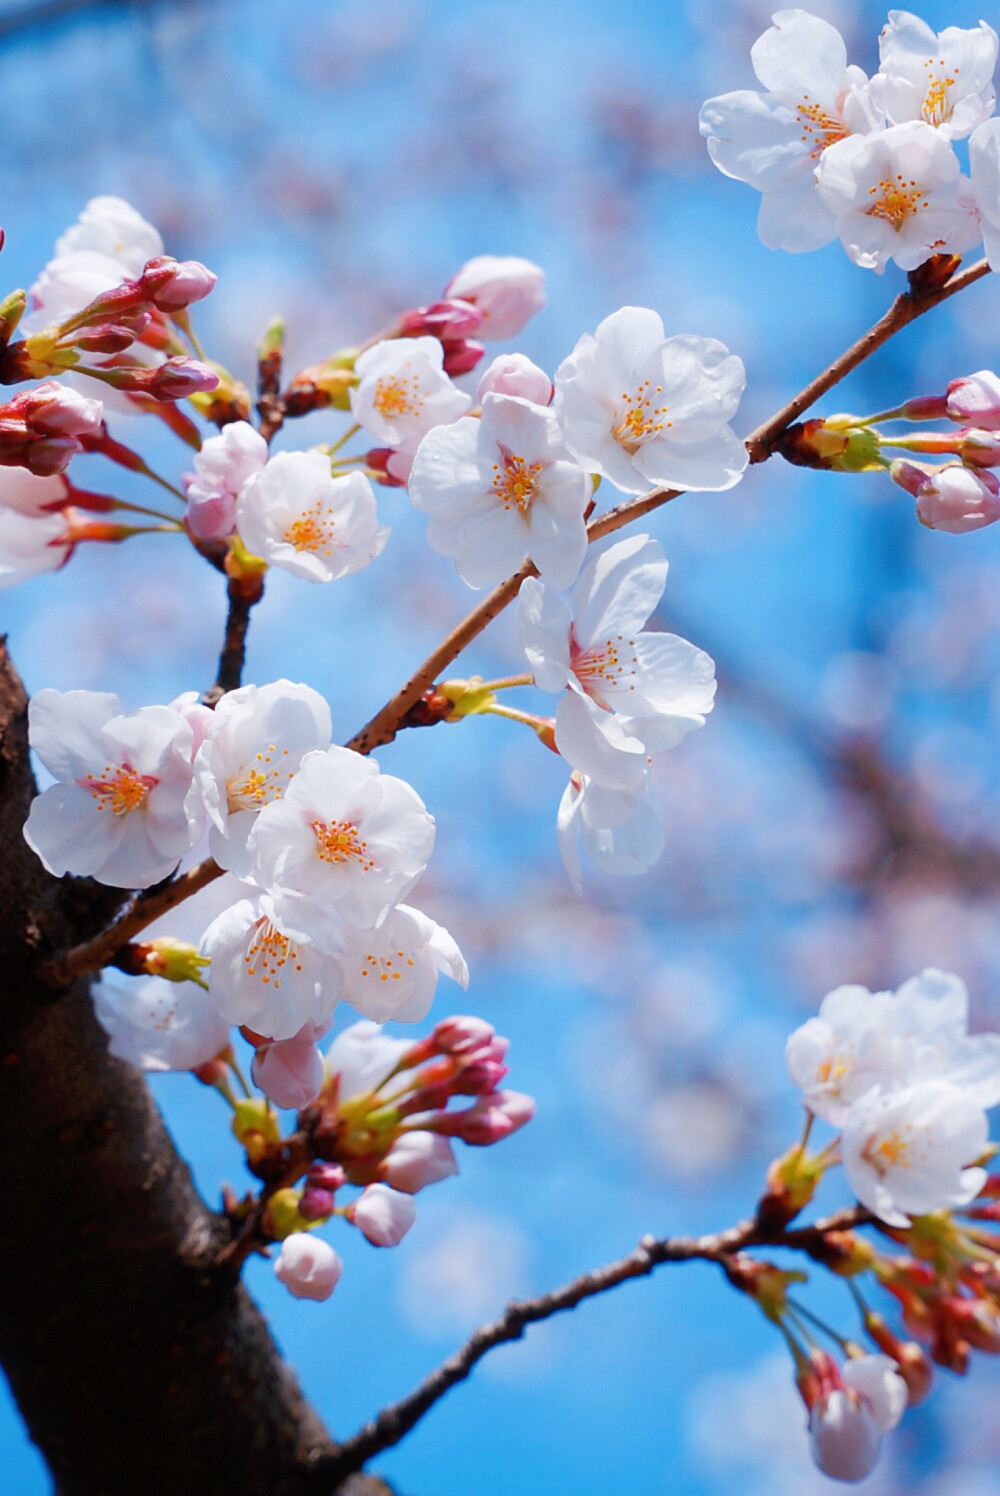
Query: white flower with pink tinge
x=268, y=973
x=957, y=500
x=257, y=740
x=944, y=79
x=773, y=140
x=344, y=840
x=502, y=488
x=984, y=170
x=109, y=243
x=30, y=544
x=28, y=494
x=221, y=468
x=402, y=393
x=417, y=1159
x=911, y=1151
x=290, y=1072
x=383, y=1215
x=620, y=830
x=643, y=409
x=631, y=693
x=898, y=195
x=514, y=374
x=847, y=1422
x=392, y=971
x=506, y=289
x=361, y=1057
x=295, y=514
x=117, y=813
x=160, y=1025
x=308, y=1266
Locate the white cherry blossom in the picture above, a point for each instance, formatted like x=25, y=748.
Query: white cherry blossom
x=30, y=495
x=847, y=1423
x=773, y=140
x=31, y=544
x=910, y=1151
x=160, y=1025
x=267, y=973
x=632, y=693
x=620, y=830
x=110, y=226
x=984, y=169
x=506, y=289
x=290, y=1073
x=258, y=737
x=943, y=79
x=344, y=838
x=502, y=488
x=295, y=514
x=221, y=468
x=403, y=391
x=642, y=409
x=929, y=1016
x=117, y=812
x=308, y=1266
x=417, y=1159
x=384, y=1215
x=362, y=1056
x=898, y=195
x=392, y=971
x=515, y=374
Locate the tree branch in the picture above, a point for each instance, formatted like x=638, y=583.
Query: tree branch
x=243, y=592
x=395, y=1422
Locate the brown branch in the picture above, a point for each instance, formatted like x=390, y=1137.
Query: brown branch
x=760, y=443
x=395, y=1422
x=244, y=591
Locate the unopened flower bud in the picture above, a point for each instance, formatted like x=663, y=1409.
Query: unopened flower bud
x=492, y=1118
x=467, y=697
x=958, y=500
x=461, y=355
x=506, y=289
x=290, y=1072
x=378, y=459
x=52, y=409
x=462, y=1035
x=176, y=960
x=444, y=320
x=843, y=1436
x=325, y=1176
x=308, y=1266
x=316, y=1205
x=282, y=1216
x=791, y=1184
x=255, y=1126
x=910, y=1358
x=831, y=444
x=384, y=1215
x=924, y=408
x=417, y=1159
x=172, y=285
x=979, y=448
x=975, y=400
x=112, y=337
x=12, y=309
x=180, y=377
x=514, y=374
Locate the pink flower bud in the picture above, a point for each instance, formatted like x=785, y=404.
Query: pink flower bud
x=506, y=289
x=843, y=1436
x=316, y=1205
x=979, y=448
x=52, y=409
x=290, y=1072
x=909, y=475
x=492, y=1118
x=180, y=377
x=925, y=408
x=378, y=460
x=383, y=1215
x=975, y=400
x=461, y=355
x=112, y=337
x=417, y=1159
x=44, y=456
x=445, y=320
x=479, y=1079
x=211, y=513
x=308, y=1267
x=171, y=285
x=514, y=374
x=958, y=500
x=325, y=1176
x=461, y=1035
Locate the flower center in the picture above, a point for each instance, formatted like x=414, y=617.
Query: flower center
x=833, y=1070
x=340, y=841
x=516, y=482
x=260, y=784
x=819, y=127
x=268, y=952
x=386, y=968
x=605, y=665
x=398, y=396
x=312, y=531
x=896, y=200
x=936, y=108
x=120, y=790
x=637, y=419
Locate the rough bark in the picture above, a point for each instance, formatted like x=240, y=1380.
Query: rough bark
x=137, y=1366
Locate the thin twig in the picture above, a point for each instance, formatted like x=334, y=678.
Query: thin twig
x=383, y=726
x=395, y=1422
x=242, y=598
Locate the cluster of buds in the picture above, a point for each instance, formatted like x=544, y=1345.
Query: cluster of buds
x=43, y=428
x=959, y=495
x=137, y=310
x=381, y=1123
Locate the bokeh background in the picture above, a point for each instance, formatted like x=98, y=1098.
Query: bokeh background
x=838, y=819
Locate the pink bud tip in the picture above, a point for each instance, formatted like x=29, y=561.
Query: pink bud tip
x=171, y=285
x=514, y=374
x=959, y=500
x=308, y=1267
x=461, y=355
x=316, y=1205
x=975, y=400
x=180, y=377
x=460, y=1035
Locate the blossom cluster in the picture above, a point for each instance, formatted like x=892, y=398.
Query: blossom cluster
x=871, y=161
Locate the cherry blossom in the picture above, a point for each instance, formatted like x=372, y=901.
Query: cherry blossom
x=402, y=393
x=343, y=838
x=908, y=1152
x=514, y=374
x=898, y=195
x=223, y=465
x=642, y=409
x=943, y=79
x=257, y=740
x=160, y=1025
x=632, y=693
x=957, y=500
x=975, y=399
x=502, y=488
x=620, y=830
x=295, y=514
x=361, y=1057
x=505, y=289
x=383, y=1215
x=984, y=170
x=117, y=812
x=30, y=544
x=110, y=226
x=308, y=1266
x=266, y=972
x=30, y=495
x=847, y=1422
x=417, y=1159
x=392, y=971
x=290, y=1072
x=773, y=140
